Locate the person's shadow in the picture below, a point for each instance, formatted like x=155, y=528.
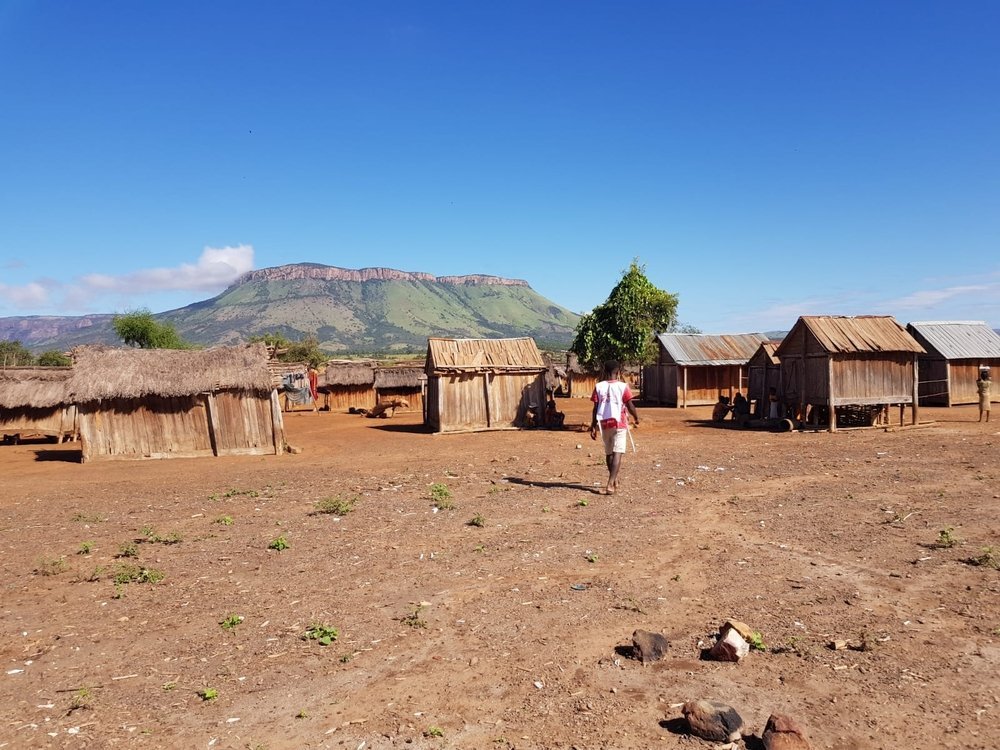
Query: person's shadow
x=548, y=485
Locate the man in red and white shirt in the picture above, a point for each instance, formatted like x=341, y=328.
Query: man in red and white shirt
x=612, y=399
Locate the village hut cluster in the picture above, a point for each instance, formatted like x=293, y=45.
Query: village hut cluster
x=832, y=371
x=828, y=370
x=150, y=403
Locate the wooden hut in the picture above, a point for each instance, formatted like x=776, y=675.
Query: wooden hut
x=580, y=380
x=694, y=369
x=763, y=374
x=837, y=362
x=33, y=401
x=483, y=384
x=348, y=382
x=956, y=352
x=406, y=382
x=167, y=403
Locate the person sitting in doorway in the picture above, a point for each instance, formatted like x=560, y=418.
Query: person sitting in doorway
x=721, y=409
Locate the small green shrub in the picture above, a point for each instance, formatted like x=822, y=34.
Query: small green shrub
x=51, y=566
x=85, y=548
x=756, y=641
x=224, y=521
x=128, y=549
x=989, y=558
x=477, y=520
x=208, y=694
x=322, y=634
x=279, y=544
x=434, y=732
x=230, y=622
x=946, y=538
x=336, y=506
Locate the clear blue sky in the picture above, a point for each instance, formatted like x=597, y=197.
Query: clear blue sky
x=762, y=159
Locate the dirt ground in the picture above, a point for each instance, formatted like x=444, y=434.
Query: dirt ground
x=515, y=633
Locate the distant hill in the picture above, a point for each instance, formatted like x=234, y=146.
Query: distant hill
x=368, y=310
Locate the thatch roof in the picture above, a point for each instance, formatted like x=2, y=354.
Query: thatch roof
x=33, y=387
x=104, y=373
x=840, y=334
x=399, y=376
x=481, y=355
x=349, y=372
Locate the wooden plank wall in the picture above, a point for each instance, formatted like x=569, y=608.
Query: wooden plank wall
x=965, y=373
x=156, y=427
x=245, y=424
x=462, y=402
x=58, y=421
x=510, y=396
x=343, y=397
x=581, y=385
x=885, y=378
x=707, y=383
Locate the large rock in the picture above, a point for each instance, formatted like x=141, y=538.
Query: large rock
x=731, y=646
x=649, y=646
x=712, y=720
x=784, y=733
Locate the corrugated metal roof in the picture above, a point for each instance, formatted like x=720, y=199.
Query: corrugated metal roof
x=484, y=354
x=709, y=349
x=842, y=334
x=958, y=339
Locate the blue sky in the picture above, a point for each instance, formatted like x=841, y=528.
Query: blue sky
x=762, y=159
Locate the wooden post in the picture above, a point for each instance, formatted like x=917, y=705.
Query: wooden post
x=685, y=403
x=829, y=393
x=902, y=413
x=213, y=422
x=486, y=395
x=915, y=406
x=277, y=425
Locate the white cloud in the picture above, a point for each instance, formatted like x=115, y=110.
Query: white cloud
x=927, y=298
x=215, y=269
x=25, y=297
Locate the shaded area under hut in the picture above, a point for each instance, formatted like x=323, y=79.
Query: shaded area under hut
x=33, y=401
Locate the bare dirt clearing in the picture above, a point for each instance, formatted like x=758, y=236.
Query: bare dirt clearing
x=515, y=632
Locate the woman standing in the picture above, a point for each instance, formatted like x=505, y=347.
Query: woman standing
x=983, y=386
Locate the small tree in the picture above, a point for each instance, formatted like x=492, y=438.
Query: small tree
x=138, y=328
x=14, y=354
x=306, y=350
x=53, y=358
x=622, y=328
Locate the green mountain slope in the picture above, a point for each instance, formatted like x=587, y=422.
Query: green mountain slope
x=369, y=310
x=378, y=315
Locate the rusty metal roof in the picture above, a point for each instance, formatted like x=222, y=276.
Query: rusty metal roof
x=957, y=339
x=765, y=354
x=483, y=354
x=842, y=334
x=709, y=349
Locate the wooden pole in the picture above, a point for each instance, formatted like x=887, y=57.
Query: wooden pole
x=486, y=395
x=213, y=422
x=915, y=406
x=685, y=371
x=277, y=424
x=829, y=392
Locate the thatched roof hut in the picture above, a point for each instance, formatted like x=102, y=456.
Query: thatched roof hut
x=160, y=403
x=348, y=383
x=33, y=400
x=401, y=381
x=832, y=361
x=483, y=384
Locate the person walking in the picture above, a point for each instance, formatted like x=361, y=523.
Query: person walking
x=612, y=399
x=983, y=386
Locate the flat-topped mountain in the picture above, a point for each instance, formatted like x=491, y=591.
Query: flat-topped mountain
x=348, y=310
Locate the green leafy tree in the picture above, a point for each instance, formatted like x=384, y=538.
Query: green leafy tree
x=306, y=350
x=53, y=358
x=622, y=328
x=138, y=328
x=14, y=354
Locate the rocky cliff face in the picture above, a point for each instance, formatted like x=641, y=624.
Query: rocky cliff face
x=332, y=273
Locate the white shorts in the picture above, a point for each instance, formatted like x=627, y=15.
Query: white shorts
x=614, y=440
